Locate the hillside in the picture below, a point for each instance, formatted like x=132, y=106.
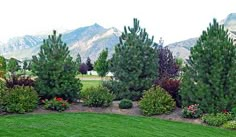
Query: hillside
x=88, y=41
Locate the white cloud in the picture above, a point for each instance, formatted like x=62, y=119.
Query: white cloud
x=170, y=19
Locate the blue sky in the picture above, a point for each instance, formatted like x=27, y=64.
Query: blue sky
x=174, y=20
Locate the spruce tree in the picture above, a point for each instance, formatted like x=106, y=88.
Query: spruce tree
x=134, y=63
x=209, y=78
x=89, y=64
x=101, y=65
x=55, y=70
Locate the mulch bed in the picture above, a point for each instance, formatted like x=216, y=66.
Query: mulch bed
x=114, y=109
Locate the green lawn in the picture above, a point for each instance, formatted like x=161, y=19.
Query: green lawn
x=91, y=76
x=90, y=83
x=101, y=125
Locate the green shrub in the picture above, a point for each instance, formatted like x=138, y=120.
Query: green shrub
x=230, y=125
x=3, y=91
x=20, y=99
x=216, y=119
x=57, y=104
x=192, y=111
x=156, y=101
x=97, y=97
x=125, y=104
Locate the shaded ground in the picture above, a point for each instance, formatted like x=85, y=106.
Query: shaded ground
x=114, y=108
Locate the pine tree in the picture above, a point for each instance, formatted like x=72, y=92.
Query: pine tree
x=89, y=64
x=101, y=65
x=209, y=79
x=134, y=63
x=2, y=66
x=55, y=70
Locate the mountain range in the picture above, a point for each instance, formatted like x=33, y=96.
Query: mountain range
x=89, y=41
x=182, y=49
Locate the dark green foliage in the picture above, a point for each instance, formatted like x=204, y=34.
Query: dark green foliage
x=209, y=78
x=83, y=69
x=134, y=63
x=156, y=101
x=97, y=97
x=125, y=104
x=2, y=66
x=120, y=90
x=55, y=70
x=216, y=119
x=89, y=64
x=101, y=65
x=57, y=104
x=20, y=100
x=192, y=111
x=233, y=111
x=13, y=65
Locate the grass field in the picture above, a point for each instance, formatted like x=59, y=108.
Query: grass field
x=91, y=77
x=101, y=125
x=90, y=83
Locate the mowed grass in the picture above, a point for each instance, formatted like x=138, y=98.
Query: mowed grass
x=90, y=83
x=91, y=77
x=101, y=125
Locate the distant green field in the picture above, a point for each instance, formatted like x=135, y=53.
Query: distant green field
x=92, y=77
x=90, y=83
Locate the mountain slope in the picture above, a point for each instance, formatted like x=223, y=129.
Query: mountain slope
x=182, y=49
x=88, y=41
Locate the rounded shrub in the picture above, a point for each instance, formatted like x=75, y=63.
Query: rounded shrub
x=230, y=125
x=20, y=99
x=125, y=104
x=56, y=103
x=97, y=97
x=156, y=101
x=216, y=119
x=192, y=111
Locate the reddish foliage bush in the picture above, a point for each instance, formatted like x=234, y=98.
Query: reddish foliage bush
x=19, y=81
x=172, y=87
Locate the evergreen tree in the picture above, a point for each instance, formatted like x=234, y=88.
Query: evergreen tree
x=2, y=66
x=89, y=64
x=101, y=65
x=134, y=63
x=55, y=70
x=78, y=60
x=209, y=78
x=13, y=65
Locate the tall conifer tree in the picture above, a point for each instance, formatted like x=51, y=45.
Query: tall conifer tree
x=209, y=79
x=134, y=62
x=55, y=70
